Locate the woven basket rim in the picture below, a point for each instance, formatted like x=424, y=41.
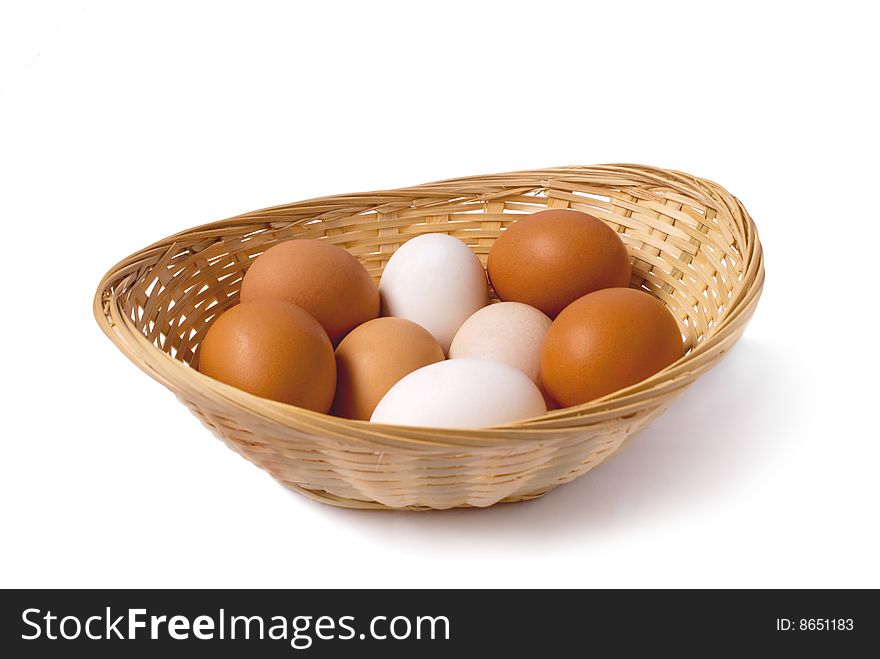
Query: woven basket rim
x=178, y=376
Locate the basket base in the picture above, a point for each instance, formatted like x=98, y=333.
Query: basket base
x=322, y=496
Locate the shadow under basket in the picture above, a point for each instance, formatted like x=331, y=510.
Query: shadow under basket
x=692, y=245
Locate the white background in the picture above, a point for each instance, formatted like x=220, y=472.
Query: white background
x=123, y=123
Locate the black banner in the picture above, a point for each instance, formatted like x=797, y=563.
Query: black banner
x=318, y=623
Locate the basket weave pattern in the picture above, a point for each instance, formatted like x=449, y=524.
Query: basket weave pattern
x=692, y=245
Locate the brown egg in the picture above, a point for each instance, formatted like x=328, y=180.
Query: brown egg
x=271, y=349
x=606, y=341
x=551, y=258
x=323, y=279
x=373, y=357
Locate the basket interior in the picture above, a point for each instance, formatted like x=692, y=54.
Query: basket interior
x=680, y=252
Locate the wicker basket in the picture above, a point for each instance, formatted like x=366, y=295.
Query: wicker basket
x=692, y=244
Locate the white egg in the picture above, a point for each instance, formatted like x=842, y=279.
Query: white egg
x=461, y=393
x=434, y=280
x=509, y=332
